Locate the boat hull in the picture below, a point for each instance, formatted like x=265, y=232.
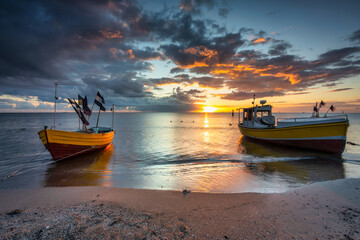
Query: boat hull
x=63, y=144
x=325, y=137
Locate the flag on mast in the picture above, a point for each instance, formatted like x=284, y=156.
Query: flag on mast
x=78, y=111
x=80, y=100
x=86, y=108
x=99, y=100
x=332, y=108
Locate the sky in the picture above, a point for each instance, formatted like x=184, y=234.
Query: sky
x=180, y=56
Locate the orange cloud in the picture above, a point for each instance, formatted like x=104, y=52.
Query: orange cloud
x=202, y=51
x=196, y=64
x=233, y=71
x=130, y=54
x=107, y=34
x=259, y=40
x=318, y=76
x=113, y=51
x=292, y=78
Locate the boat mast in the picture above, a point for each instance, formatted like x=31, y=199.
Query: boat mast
x=97, y=122
x=112, y=124
x=56, y=83
x=91, y=111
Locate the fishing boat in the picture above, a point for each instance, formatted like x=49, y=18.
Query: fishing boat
x=326, y=134
x=67, y=144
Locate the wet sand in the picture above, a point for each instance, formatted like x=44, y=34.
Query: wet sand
x=328, y=210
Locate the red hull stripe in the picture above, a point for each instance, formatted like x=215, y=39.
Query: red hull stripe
x=62, y=151
x=329, y=145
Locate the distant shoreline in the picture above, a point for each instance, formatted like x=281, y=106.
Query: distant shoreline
x=235, y=114
x=321, y=210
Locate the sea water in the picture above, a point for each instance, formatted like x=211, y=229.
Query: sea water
x=202, y=152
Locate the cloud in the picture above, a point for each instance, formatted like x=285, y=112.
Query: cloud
x=113, y=47
x=185, y=96
x=355, y=37
x=248, y=95
x=120, y=84
x=341, y=89
x=279, y=48
x=194, y=5
x=223, y=12
x=259, y=40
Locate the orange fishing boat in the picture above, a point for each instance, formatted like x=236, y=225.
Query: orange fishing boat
x=66, y=144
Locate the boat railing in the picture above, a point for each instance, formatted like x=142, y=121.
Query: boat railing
x=303, y=119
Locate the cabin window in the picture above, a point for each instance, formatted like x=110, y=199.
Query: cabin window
x=245, y=115
x=262, y=114
x=250, y=114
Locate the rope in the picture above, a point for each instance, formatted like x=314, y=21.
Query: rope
x=12, y=174
x=74, y=154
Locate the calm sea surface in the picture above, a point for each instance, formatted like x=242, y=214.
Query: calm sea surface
x=169, y=151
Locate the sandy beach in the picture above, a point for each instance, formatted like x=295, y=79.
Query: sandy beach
x=327, y=210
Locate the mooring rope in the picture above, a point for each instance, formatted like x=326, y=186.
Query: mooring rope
x=17, y=170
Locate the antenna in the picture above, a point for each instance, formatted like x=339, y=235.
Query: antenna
x=56, y=83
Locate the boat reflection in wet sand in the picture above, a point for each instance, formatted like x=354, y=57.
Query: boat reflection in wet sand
x=327, y=134
x=89, y=170
x=294, y=165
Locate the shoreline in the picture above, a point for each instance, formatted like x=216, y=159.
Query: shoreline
x=325, y=210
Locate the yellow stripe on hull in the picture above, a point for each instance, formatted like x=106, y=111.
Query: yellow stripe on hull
x=313, y=131
x=75, y=138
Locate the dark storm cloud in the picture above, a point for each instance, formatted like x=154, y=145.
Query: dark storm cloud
x=279, y=48
x=249, y=55
x=227, y=46
x=183, y=76
x=38, y=35
x=180, y=95
x=120, y=84
x=179, y=56
x=193, y=91
x=218, y=29
x=355, y=37
x=176, y=70
x=335, y=56
x=47, y=40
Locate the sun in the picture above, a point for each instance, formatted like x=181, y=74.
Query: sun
x=209, y=109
